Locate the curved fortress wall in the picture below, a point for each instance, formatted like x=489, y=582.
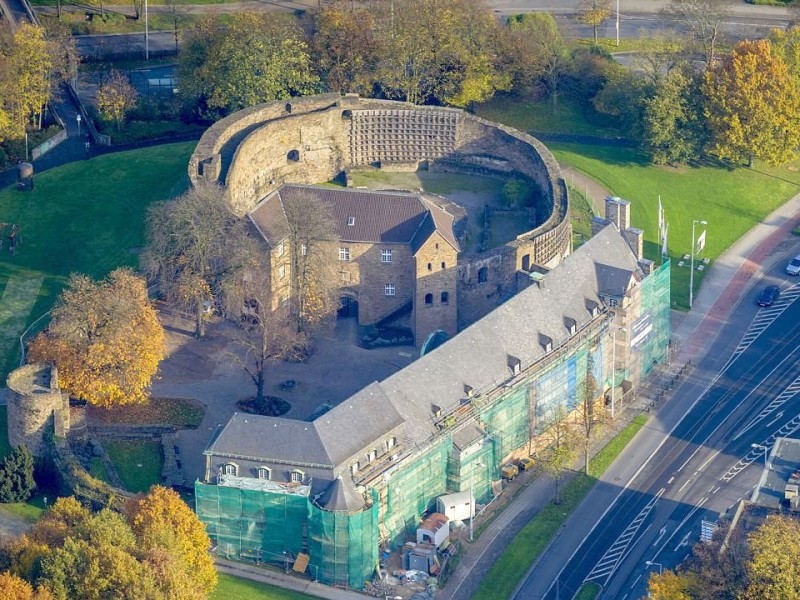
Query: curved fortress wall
x=313, y=139
x=35, y=407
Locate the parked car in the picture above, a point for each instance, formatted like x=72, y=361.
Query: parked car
x=768, y=295
x=526, y=463
x=509, y=471
x=793, y=268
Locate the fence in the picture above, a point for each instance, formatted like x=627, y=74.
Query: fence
x=48, y=145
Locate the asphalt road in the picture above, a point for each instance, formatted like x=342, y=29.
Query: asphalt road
x=746, y=392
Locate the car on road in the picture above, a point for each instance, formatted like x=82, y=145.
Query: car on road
x=793, y=268
x=768, y=295
x=526, y=463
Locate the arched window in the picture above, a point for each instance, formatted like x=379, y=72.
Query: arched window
x=445, y=297
x=297, y=476
x=483, y=275
x=430, y=267
x=428, y=298
x=443, y=266
x=229, y=469
x=264, y=473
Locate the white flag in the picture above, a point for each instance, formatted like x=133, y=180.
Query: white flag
x=664, y=252
x=701, y=241
x=661, y=223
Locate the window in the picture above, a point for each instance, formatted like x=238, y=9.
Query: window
x=354, y=468
x=229, y=469
x=388, y=289
x=351, y=221
x=445, y=297
x=386, y=256
x=344, y=253
x=373, y=454
x=264, y=473
x=430, y=267
x=428, y=298
x=303, y=249
x=280, y=249
x=443, y=265
x=282, y=271
x=483, y=275
x=391, y=442
x=297, y=477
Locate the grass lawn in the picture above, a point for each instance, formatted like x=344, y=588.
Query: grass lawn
x=581, y=215
x=732, y=201
x=87, y=217
x=525, y=548
x=183, y=413
x=245, y=589
x=138, y=462
x=29, y=511
x=97, y=469
x=536, y=115
x=588, y=591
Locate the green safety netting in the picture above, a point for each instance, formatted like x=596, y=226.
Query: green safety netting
x=507, y=420
x=655, y=307
x=343, y=546
x=478, y=469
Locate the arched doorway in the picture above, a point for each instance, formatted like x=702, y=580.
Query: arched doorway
x=348, y=307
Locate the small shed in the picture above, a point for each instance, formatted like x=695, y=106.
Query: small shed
x=457, y=507
x=434, y=530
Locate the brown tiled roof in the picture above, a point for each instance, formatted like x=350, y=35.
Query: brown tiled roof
x=376, y=217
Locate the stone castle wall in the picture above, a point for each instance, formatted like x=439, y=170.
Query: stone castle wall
x=36, y=407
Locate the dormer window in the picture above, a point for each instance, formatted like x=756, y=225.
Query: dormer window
x=229, y=469
x=514, y=364
x=264, y=473
x=391, y=442
x=372, y=455
x=297, y=476
x=571, y=325
x=354, y=468
x=351, y=221
x=546, y=342
x=281, y=249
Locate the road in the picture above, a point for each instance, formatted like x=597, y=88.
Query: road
x=746, y=392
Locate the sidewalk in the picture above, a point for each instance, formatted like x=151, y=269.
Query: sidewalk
x=728, y=278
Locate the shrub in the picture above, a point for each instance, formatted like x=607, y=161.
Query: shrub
x=517, y=192
x=16, y=476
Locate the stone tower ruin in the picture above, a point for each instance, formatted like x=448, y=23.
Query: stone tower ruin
x=36, y=406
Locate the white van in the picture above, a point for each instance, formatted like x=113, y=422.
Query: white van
x=793, y=268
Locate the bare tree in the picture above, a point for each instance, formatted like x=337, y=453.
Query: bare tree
x=197, y=251
x=312, y=254
x=560, y=440
x=177, y=15
x=704, y=20
x=591, y=417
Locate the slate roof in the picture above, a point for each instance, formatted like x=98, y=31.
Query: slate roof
x=378, y=217
x=340, y=496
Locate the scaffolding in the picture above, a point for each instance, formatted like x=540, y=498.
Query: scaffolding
x=476, y=470
x=656, y=307
x=343, y=546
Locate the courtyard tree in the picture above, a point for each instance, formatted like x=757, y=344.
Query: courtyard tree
x=163, y=523
x=673, y=125
x=115, y=97
x=591, y=417
x=594, y=13
x=197, y=250
x=16, y=476
x=311, y=244
x=703, y=19
x=439, y=52
x=105, y=339
x=774, y=569
x=560, y=444
x=255, y=58
x=539, y=55
x=752, y=105
x=346, y=46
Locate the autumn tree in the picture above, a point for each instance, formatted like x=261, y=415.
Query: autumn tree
x=439, y=52
x=16, y=476
x=197, y=251
x=669, y=585
x=774, y=569
x=346, y=46
x=703, y=19
x=591, y=417
x=162, y=521
x=594, y=13
x=255, y=58
x=752, y=105
x=673, y=125
x=622, y=97
x=13, y=587
x=177, y=16
x=29, y=66
x=785, y=44
x=559, y=438
x=115, y=97
x=105, y=338
x=539, y=54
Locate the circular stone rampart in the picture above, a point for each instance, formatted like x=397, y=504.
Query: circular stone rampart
x=35, y=405
x=312, y=139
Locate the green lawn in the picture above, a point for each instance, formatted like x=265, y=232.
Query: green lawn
x=244, y=589
x=183, y=413
x=138, y=462
x=522, y=552
x=731, y=200
x=97, y=469
x=529, y=115
x=87, y=217
x=588, y=591
x=29, y=511
x=581, y=215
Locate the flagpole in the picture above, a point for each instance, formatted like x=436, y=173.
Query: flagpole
x=691, y=272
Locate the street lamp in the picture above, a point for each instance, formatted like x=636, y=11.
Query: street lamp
x=617, y=23
x=764, y=448
x=78, y=119
x=614, y=333
x=691, y=273
x=651, y=563
x=472, y=499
